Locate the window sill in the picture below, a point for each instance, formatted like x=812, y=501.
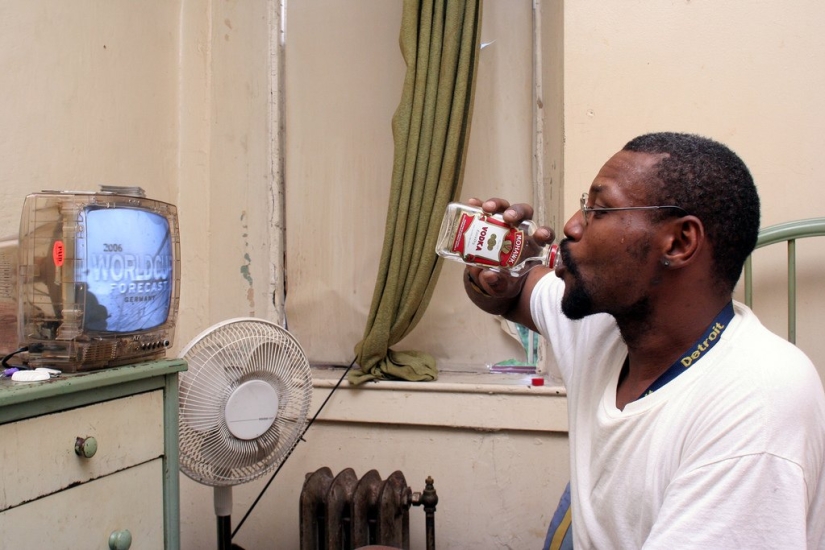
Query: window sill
x=478, y=401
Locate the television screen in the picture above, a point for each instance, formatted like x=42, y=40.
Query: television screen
x=127, y=276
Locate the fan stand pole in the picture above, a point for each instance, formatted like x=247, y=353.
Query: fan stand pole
x=223, y=511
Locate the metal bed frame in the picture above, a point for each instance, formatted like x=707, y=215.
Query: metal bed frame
x=788, y=232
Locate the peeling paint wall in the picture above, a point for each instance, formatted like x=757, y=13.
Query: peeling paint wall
x=246, y=271
x=240, y=175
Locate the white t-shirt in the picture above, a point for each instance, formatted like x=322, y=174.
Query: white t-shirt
x=729, y=454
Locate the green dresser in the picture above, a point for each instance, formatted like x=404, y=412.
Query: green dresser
x=90, y=460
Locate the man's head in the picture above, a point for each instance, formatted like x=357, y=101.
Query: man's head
x=660, y=204
x=711, y=182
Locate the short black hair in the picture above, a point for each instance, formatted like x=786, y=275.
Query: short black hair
x=711, y=182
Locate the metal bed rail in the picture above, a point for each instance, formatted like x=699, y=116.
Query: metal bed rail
x=788, y=232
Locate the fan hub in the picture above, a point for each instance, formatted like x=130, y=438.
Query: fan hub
x=251, y=409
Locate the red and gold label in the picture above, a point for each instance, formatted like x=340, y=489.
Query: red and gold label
x=488, y=241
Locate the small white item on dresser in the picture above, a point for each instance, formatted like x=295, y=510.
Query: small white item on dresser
x=30, y=376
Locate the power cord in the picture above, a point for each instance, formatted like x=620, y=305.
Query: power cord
x=301, y=438
x=5, y=360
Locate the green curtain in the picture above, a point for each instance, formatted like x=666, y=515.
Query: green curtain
x=431, y=127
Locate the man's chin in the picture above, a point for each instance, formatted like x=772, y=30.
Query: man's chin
x=574, y=314
x=576, y=305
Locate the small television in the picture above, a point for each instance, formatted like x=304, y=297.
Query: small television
x=92, y=280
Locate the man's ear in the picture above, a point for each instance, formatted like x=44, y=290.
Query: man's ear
x=684, y=241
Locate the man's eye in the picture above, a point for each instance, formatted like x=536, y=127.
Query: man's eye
x=597, y=212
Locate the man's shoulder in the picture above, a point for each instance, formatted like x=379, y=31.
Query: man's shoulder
x=759, y=346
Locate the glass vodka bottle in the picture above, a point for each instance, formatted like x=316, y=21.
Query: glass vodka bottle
x=471, y=236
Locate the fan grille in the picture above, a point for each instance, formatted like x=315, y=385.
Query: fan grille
x=219, y=360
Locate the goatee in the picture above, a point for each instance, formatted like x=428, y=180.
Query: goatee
x=577, y=303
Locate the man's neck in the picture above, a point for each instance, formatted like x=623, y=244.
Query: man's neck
x=659, y=340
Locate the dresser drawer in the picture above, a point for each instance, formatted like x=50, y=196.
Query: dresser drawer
x=85, y=516
x=38, y=454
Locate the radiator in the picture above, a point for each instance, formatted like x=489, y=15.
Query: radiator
x=344, y=512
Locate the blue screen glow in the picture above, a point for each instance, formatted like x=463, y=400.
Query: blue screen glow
x=128, y=269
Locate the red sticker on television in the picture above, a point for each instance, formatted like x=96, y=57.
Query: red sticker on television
x=57, y=253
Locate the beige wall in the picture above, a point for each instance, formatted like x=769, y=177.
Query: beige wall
x=90, y=97
x=174, y=96
x=746, y=73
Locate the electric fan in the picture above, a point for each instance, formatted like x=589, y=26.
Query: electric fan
x=243, y=407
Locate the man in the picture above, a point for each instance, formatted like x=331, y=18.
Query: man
x=691, y=425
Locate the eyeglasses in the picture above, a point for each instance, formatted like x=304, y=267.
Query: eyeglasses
x=586, y=210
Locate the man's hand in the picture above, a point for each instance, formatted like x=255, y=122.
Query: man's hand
x=498, y=292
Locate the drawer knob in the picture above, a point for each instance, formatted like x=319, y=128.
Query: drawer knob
x=120, y=540
x=85, y=446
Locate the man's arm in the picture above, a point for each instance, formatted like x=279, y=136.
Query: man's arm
x=501, y=294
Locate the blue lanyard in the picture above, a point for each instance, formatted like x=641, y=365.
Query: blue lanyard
x=696, y=351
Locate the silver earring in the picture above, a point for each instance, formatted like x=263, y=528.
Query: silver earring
x=666, y=263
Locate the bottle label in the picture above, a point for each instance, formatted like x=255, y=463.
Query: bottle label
x=485, y=240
